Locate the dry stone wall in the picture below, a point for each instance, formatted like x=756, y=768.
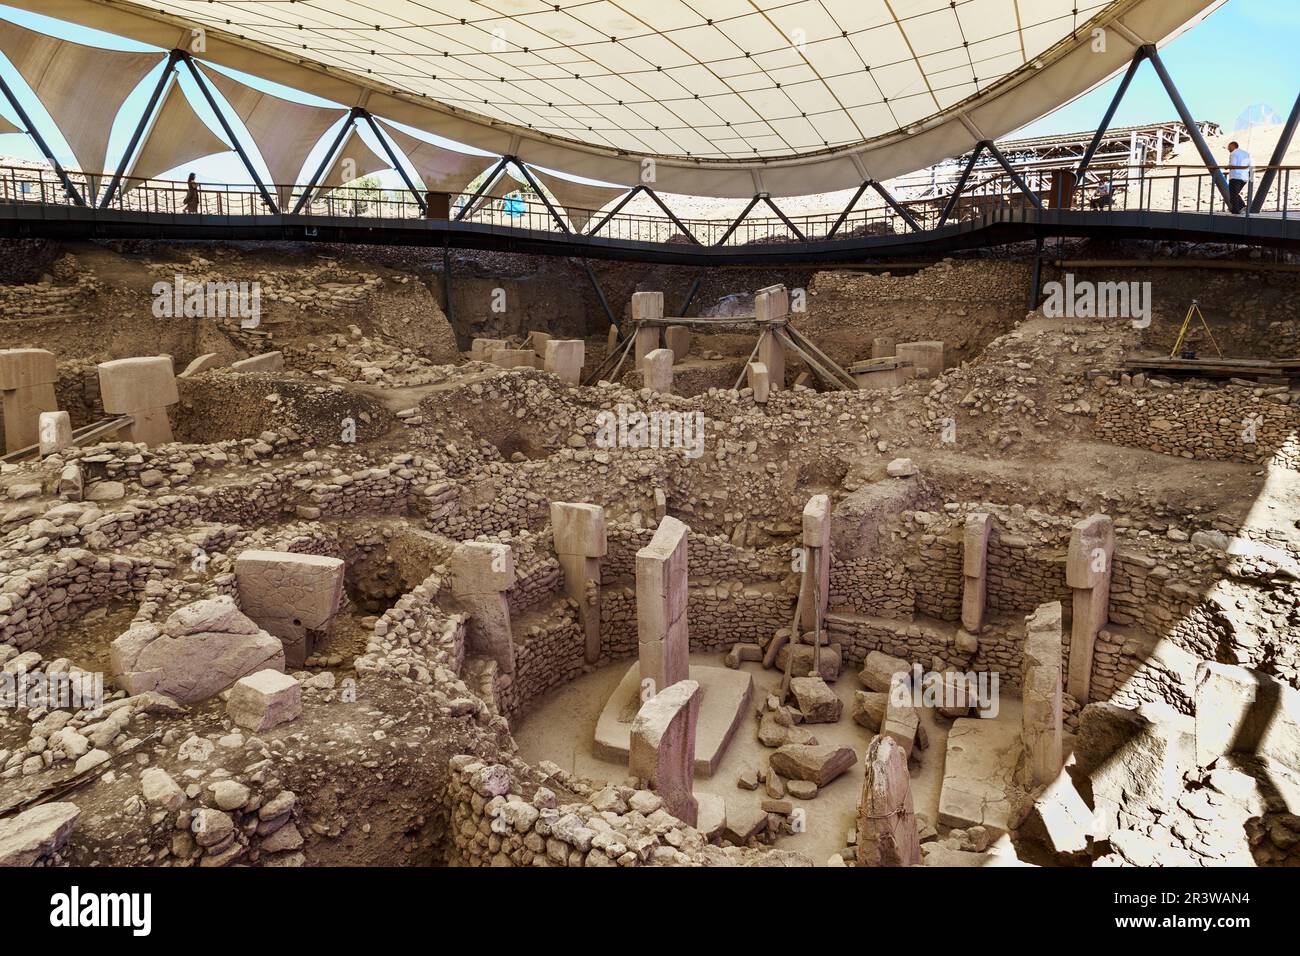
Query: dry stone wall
x=1206, y=422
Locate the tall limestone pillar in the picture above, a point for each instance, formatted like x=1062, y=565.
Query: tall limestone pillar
x=974, y=559
x=663, y=645
x=481, y=574
x=1041, y=702
x=1087, y=572
x=662, y=751
x=580, y=542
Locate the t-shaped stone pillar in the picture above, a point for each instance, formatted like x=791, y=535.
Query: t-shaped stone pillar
x=481, y=574
x=580, y=542
x=646, y=305
x=772, y=304
x=292, y=596
x=141, y=387
x=663, y=644
x=974, y=560
x=817, y=560
x=1041, y=703
x=887, y=831
x=27, y=378
x=1087, y=572
x=662, y=750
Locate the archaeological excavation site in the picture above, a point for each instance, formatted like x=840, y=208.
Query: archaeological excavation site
x=931, y=500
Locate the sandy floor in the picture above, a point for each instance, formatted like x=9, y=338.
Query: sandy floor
x=560, y=728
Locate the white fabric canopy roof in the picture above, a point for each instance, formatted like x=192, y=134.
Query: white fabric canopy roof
x=176, y=136
x=579, y=200
x=8, y=127
x=729, y=96
x=443, y=170
x=502, y=185
x=362, y=159
x=283, y=130
x=81, y=87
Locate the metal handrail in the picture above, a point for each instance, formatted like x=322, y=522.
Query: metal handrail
x=988, y=192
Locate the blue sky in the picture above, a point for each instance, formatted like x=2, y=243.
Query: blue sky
x=1242, y=54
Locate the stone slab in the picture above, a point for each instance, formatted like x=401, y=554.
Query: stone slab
x=979, y=770
x=724, y=705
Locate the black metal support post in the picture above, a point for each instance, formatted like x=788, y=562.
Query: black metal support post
x=1194, y=131
x=1035, y=280
x=893, y=204
x=670, y=214
x=1279, y=154
x=736, y=224
x=163, y=80
x=784, y=218
x=392, y=158
x=230, y=133
x=690, y=294
x=323, y=168
x=600, y=293
x=497, y=170
x=848, y=209
x=1133, y=65
x=613, y=212
x=961, y=184
x=73, y=193
x=528, y=177
x=1015, y=176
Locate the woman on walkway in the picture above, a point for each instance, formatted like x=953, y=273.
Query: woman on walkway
x=192, y=194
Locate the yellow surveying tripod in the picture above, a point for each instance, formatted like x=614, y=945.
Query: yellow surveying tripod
x=1194, y=309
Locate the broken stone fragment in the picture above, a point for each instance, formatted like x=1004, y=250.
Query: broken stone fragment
x=816, y=701
x=830, y=664
x=869, y=708
x=878, y=671
x=159, y=789
x=36, y=833
x=818, y=764
x=264, y=700
x=199, y=651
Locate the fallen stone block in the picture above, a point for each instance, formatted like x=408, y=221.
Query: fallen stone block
x=266, y=362
x=816, y=701
x=204, y=362
x=293, y=596
x=745, y=819
x=1239, y=710
x=36, y=833
x=878, y=671
x=817, y=764
x=830, y=664
x=869, y=708
x=900, y=468
x=199, y=651
x=264, y=700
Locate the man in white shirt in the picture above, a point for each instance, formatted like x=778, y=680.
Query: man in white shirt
x=1239, y=173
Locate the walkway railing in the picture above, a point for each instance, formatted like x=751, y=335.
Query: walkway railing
x=920, y=204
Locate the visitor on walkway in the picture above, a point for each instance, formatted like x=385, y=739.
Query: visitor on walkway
x=1105, y=197
x=192, y=194
x=1239, y=173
